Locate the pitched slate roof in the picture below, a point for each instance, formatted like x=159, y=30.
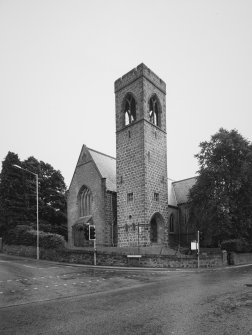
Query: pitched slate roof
x=181, y=189
x=107, y=167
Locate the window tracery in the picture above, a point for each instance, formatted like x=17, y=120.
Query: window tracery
x=85, y=201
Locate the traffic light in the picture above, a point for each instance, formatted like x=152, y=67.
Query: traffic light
x=92, y=232
x=86, y=232
x=201, y=236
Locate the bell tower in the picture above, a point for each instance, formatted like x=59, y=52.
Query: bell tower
x=141, y=158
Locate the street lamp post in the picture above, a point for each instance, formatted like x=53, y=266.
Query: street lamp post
x=36, y=175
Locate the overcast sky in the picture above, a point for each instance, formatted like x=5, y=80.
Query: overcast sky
x=59, y=60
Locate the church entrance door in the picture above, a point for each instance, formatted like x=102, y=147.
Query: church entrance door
x=153, y=231
x=156, y=228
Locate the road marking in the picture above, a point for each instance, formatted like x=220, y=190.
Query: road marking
x=26, y=289
x=47, y=286
x=1, y=292
x=9, y=280
x=42, y=277
x=65, y=284
x=35, y=288
x=56, y=285
x=29, y=266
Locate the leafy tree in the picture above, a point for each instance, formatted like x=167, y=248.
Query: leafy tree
x=18, y=196
x=221, y=200
x=12, y=207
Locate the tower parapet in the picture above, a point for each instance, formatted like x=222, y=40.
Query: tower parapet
x=134, y=74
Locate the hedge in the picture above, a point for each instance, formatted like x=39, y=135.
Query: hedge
x=236, y=245
x=23, y=235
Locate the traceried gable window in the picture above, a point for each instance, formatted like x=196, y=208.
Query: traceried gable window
x=85, y=202
x=129, y=109
x=154, y=111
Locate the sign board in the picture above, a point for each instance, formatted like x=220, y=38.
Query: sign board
x=194, y=245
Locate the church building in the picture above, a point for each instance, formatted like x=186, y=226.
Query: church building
x=130, y=199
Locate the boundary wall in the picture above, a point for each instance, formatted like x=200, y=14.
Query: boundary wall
x=115, y=259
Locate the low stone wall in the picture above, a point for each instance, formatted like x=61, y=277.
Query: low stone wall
x=115, y=259
x=240, y=258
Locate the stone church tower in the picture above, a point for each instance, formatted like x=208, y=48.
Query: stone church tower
x=141, y=158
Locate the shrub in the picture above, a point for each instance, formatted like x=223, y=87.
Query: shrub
x=236, y=245
x=51, y=241
x=23, y=235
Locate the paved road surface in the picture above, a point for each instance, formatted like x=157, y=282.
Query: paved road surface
x=51, y=298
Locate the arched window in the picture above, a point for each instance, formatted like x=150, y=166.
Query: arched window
x=171, y=223
x=85, y=201
x=129, y=109
x=154, y=111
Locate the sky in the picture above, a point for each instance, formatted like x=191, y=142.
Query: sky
x=59, y=60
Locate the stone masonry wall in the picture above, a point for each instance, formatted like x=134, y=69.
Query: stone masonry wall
x=130, y=179
x=110, y=229
x=156, y=177
x=115, y=259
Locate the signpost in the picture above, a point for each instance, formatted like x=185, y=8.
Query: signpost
x=195, y=245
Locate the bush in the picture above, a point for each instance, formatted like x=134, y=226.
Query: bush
x=51, y=241
x=18, y=235
x=24, y=235
x=236, y=245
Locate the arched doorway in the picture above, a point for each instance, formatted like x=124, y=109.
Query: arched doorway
x=156, y=228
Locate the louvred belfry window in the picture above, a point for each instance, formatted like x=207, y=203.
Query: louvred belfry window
x=154, y=111
x=129, y=109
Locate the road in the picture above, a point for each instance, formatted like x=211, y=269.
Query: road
x=39, y=297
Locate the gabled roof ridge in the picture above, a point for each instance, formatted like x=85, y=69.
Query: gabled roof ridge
x=178, y=181
x=101, y=153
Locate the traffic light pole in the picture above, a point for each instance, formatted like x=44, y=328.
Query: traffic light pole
x=94, y=251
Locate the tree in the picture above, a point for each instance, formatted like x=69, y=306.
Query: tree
x=53, y=199
x=18, y=196
x=221, y=200
x=12, y=206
